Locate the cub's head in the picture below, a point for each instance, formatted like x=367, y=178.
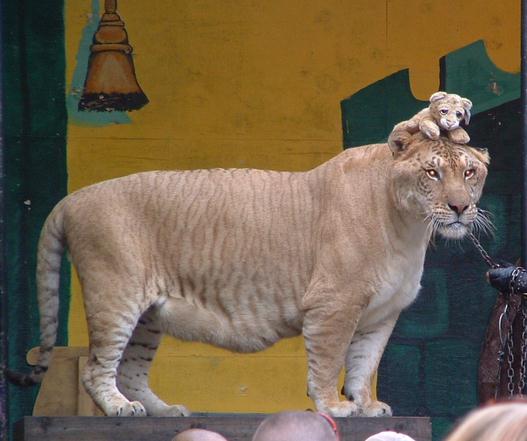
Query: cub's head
x=439, y=181
x=449, y=109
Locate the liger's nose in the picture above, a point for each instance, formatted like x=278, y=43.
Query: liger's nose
x=459, y=209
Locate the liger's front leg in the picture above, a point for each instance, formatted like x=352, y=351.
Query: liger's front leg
x=362, y=360
x=328, y=329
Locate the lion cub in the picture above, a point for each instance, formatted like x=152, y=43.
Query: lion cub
x=446, y=111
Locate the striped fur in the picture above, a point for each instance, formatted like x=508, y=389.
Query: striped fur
x=242, y=258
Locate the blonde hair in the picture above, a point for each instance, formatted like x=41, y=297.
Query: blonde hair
x=506, y=421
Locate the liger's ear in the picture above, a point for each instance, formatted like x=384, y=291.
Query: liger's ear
x=398, y=141
x=481, y=154
x=437, y=96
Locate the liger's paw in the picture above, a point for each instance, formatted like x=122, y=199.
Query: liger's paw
x=376, y=409
x=131, y=408
x=342, y=409
x=177, y=410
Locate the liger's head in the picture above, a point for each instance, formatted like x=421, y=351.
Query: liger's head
x=441, y=180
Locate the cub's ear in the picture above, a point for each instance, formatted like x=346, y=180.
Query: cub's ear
x=467, y=105
x=437, y=96
x=398, y=141
x=480, y=154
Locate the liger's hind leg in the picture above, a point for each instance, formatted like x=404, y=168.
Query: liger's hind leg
x=132, y=376
x=110, y=331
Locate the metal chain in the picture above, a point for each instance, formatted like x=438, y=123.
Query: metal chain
x=512, y=283
x=501, y=352
x=510, y=361
x=523, y=346
x=510, y=343
x=486, y=257
x=507, y=345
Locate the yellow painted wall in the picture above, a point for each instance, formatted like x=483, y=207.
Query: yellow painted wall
x=242, y=83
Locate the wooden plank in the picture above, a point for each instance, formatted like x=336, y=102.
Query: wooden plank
x=239, y=427
x=58, y=392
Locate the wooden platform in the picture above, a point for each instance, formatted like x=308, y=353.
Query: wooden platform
x=235, y=427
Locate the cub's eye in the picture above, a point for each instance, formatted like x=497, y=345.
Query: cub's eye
x=443, y=111
x=459, y=114
x=432, y=174
x=469, y=173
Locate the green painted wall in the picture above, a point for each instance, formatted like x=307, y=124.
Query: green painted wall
x=35, y=161
x=431, y=364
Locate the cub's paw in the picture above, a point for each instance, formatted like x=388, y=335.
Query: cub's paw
x=431, y=132
x=430, y=129
x=459, y=136
x=132, y=408
x=376, y=409
x=176, y=410
x=342, y=409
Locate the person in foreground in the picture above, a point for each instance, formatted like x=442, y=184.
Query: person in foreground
x=505, y=421
x=297, y=426
x=388, y=435
x=198, y=435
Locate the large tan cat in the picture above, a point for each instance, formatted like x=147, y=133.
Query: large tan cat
x=243, y=258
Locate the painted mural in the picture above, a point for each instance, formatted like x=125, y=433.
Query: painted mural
x=274, y=85
x=111, y=83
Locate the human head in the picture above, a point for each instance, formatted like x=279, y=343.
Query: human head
x=389, y=436
x=505, y=421
x=297, y=426
x=198, y=435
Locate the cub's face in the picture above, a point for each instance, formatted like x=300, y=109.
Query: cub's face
x=442, y=181
x=449, y=110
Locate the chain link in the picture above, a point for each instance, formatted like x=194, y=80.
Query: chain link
x=523, y=346
x=501, y=352
x=512, y=283
x=510, y=361
x=486, y=257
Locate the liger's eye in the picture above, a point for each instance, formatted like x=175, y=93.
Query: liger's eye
x=432, y=174
x=469, y=173
x=459, y=114
x=443, y=111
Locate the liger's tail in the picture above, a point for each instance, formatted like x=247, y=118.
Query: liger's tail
x=51, y=247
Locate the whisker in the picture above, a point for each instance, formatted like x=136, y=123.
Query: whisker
x=483, y=224
x=436, y=224
x=430, y=228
